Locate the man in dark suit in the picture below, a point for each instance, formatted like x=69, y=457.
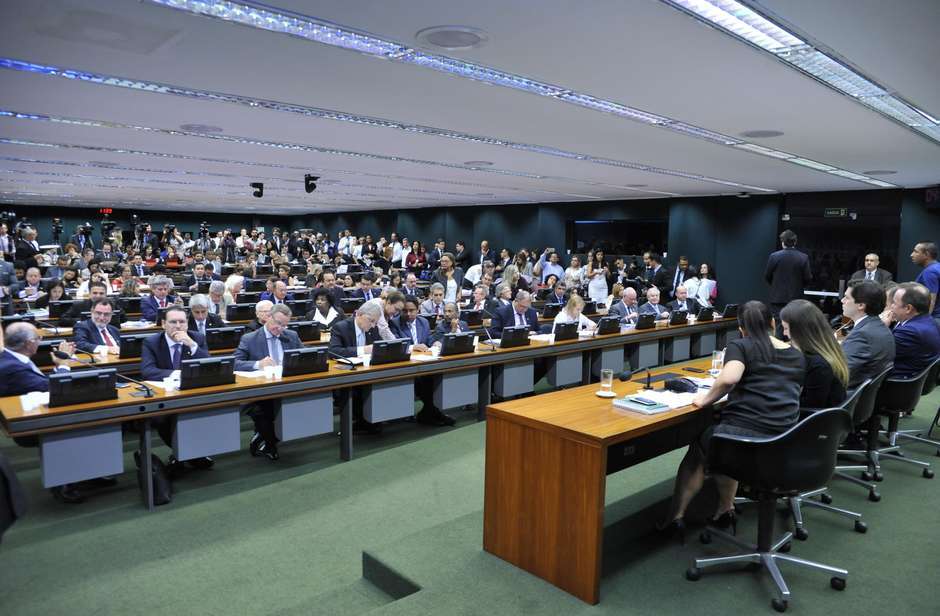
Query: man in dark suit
x=22, y=376
x=161, y=354
x=434, y=256
x=683, y=302
x=200, y=319
x=659, y=275
x=486, y=254
x=199, y=275
x=680, y=274
x=409, y=324
x=462, y=256
x=652, y=305
x=871, y=271
x=450, y=323
x=916, y=336
x=351, y=338
x=138, y=268
x=160, y=297
x=365, y=290
x=627, y=308
x=256, y=351
x=97, y=335
x=869, y=348
x=82, y=240
x=27, y=248
x=97, y=291
x=328, y=282
x=787, y=273
x=558, y=295
x=262, y=312
x=278, y=294
x=519, y=312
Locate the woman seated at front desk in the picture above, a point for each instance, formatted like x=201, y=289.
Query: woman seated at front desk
x=763, y=377
x=573, y=313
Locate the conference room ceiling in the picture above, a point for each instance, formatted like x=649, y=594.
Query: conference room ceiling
x=75, y=142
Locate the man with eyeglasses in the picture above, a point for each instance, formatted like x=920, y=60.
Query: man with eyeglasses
x=97, y=335
x=161, y=356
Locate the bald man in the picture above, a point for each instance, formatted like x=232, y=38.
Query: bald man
x=871, y=271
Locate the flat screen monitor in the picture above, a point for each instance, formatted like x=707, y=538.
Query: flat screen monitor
x=264, y=270
x=679, y=317
x=351, y=304
x=249, y=298
x=240, y=312
x=202, y=286
x=608, y=325
x=457, y=343
x=646, y=321
x=731, y=310
x=220, y=338
x=299, y=307
x=43, y=356
x=298, y=269
x=132, y=345
x=227, y=270
x=550, y=311
x=566, y=331
x=305, y=361
x=390, y=351
x=308, y=331
x=17, y=318
x=207, y=372
x=706, y=314
x=515, y=336
x=256, y=284
x=590, y=307
x=82, y=386
x=130, y=305
x=60, y=307
x=473, y=318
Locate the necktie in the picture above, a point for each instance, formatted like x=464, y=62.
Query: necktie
x=520, y=320
x=414, y=332
x=274, y=346
x=360, y=338
x=177, y=351
x=656, y=308
x=871, y=275
x=440, y=309
x=202, y=327
x=108, y=340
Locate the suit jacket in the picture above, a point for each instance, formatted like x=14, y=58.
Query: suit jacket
x=504, y=318
x=787, y=273
x=19, y=378
x=869, y=349
x=417, y=292
x=77, y=240
x=337, y=292
x=462, y=259
x=87, y=336
x=343, y=338
x=662, y=280
x=143, y=271
x=358, y=292
x=254, y=347
x=647, y=308
x=443, y=328
x=620, y=310
x=554, y=299
x=916, y=344
x=422, y=328
x=270, y=297
x=7, y=273
x=156, y=362
x=25, y=252
x=489, y=255
x=71, y=316
x=881, y=276
x=691, y=306
x=428, y=307
x=212, y=320
x=683, y=276
x=149, y=308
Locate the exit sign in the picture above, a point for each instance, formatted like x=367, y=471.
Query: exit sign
x=836, y=212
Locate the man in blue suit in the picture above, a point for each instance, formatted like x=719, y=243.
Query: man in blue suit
x=163, y=353
x=22, y=376
x=869, y=348
x=916, y=336
x=519, y=312
x=262, y=348
x=558, y=295
x=96, y=334
x=652, y=305
x=278, y=293
x=409, y=324
x=160, y=297
x=350, y=338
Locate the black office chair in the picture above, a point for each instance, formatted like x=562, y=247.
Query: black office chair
x=863, y=418
x=897, y=396
x=929, y=387
x=801, y=459
x=797, y=502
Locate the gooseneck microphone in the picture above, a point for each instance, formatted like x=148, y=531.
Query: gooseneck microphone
x=344, y=362
x=486, y=330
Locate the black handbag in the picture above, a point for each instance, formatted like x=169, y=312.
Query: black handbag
x=162, y=487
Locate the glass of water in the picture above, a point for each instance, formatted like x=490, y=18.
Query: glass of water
x=607, y=380
x=718, y=361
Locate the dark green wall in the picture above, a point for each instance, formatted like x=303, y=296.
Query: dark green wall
x=918, y=224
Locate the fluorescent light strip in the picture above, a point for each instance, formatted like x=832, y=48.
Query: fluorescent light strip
x=330, y=114
x=331, y=151
x=739, y=20
x=729, y=15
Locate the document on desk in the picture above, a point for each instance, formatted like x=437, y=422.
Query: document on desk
x=34, y=401
x=662, y=401
x=542, y=337
x=136, y=325
x=253, y=374
x=423, y=357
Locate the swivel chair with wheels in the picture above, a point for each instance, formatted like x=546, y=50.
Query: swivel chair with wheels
x=897, y=396
x=863, y=419
x=801, y=459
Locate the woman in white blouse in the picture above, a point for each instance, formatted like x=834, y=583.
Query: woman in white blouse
x=574, y=274
x=324, y=312
x=572, y=314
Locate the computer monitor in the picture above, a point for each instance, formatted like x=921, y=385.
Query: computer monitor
x=590, y=307
x=305, y=361
x=207, y=372
x=646, y=321
x=60, y=307
x=550, y=311
x=130, y=305
x=227, y=270
x=608, y=325
x=220, y=338
x=256, y=284
x=17, y=318
x=298, y=269
x=82, y=386
x=264, y=270
x=298, y=307
x=731, y=310
x=43, y=356
x=249, y=298
x=432, y=320
x=457, y=343
x=566, y=331
x=202, y=286
x=390, y=351
x=308, y=331
x=515, y=336
x=706, y=314
x=240, y=312
x=132, y=345
x=473, y=318
x=679, y=317
x=351, y=304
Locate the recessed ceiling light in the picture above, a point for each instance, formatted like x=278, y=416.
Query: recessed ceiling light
x=453, y=38
x=478, y=163
x=879, y=172
x=761, y=134
x=200, y=128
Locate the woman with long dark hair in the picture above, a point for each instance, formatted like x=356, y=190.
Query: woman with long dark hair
x=827, y=372
x=762, y=377
x=597, y=273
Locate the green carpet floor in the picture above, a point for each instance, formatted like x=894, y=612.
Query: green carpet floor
x=254, y=537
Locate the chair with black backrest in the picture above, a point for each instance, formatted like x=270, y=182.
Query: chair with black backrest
x=797, y=502
x=929, y=387
x=864, y=419
x=897, y=396
x=801, y=459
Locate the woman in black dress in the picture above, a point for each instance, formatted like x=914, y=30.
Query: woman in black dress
x=763, y=377
x=827, y=372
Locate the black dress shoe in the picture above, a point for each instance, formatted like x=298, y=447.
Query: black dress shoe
x=174, y=468
x=435, y=418
x=201, y=463
x=270, y=452
x=255, y=444
x=67, y=494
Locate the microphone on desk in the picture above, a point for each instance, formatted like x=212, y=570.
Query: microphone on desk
x=486, y=330
x=48, y=325
x=344, y=362
x=626, y=375
x=147, y=391
x=648, y=379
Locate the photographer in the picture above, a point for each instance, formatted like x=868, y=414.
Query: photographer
x=82, y=237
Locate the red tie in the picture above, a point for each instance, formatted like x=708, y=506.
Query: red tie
x=108, y=340
x=163, y=303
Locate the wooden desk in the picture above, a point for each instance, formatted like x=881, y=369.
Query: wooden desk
x=547, y=459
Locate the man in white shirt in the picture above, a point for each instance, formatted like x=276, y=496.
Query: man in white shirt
x=396, y=249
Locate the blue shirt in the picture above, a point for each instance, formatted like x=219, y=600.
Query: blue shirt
x=930, y=278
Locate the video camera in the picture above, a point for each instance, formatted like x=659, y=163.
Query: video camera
x=86, y=229
x=107, y=227
x=204, y=229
